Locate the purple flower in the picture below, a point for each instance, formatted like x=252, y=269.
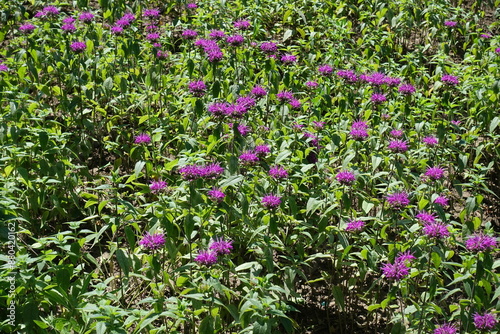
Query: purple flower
x=434, y=173
x=161, y=54
x=406, y=89
x=68, y=27
x=153, y=36
x=242, y=25
x=236, y=110
x=450, y=23
x=216, y=195
x=348, y=75
x=318, y=125
x=398, y=146
x=78, y=47
x=346, y=178
x=142, y=139
x=50, y=11
x=258, y=92
x=284, y=96
x=197, y=88
x=480, y=242
x=497, y=50
x=436, y=230
x=271, y=201
x=456, y=123
x=396, y=271
x=117, y=30
x=191, y=172
x=191, y=5
x=392, y=82
x=212, y=171
x=398, y=200
x=358, y=133
x=355, y=225
x=217, y=35
x=27, y=28
x=311, y=84
x=221, y=246
x=288, y=59
x=405, y=257
x=313, y=139
x=218, y=109
x=157, y=186
x=125, y=20
x=278, y=172
x=248, y=158
x=262, y=150
x=246, y=101
x=441, y=200
x=378, y=98
x=235, y=40
x=206, y=258
x=86, y=17
x=449, y=80
x=426, y=217
x=151, y=13
x=359, y=125
x=244, y=129
x=295, y=104
x=268, y=47
x=430, y=141
x=189, y=34
x=445, y=329
x=3, y=68
x=486, y=36
x=153, y=241
x=396, y=133
x=485, y=322
x=325, y=70
x=68, y=20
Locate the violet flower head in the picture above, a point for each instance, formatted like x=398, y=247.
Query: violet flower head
x=445, y=329
x=117, y=30
x=244, y=129
x=197, y=88
x=375, y=79
x=246, y=101
x=278, y=172
x=27, y=28
x=485, y=322
x=191, y=172
x=215, y=55
x=426, y=217
x=312, y=138
x=406, y=89
x=189, y=34
x=235, y=40
x=398, y=200
x=486, y=36
x=206, y=258
x=262, y=150
x=216, y=195
x=318, y=125
x=434, y=173
x=348, y=75
x=221, y=246
x=152, y=241
x=50, y=11
x=398, y=146
x=269, y=47
x=359, y=125
x=3, y=68
x=242, y=25
x=395, y=271
x=143, y=138
x=311, y=84
x=295, y=104
x=288, y=59
x=441, y=200
x=151, y=13
x=218, y=109
x=86, y=17
x=396, y=133
x=450, y=24
x=497, y=50
x=212, y=171
x=480, y=242
x=392, y=82
x=406, y=257
x=248, y=158
x=271, y=201
x=449, y=80
x=161, y=54
x=68, y=27
x=258, y=92
x=346, y=178
x=378, y=98
x=436, y=230
x=358, y=133
x=191, y=5
x=284, y=96
x=430, y=141
x=325, y=70
x=78, y=47
x=154, y=36
x=157, y=186
x=217, y=35
x=355, y=226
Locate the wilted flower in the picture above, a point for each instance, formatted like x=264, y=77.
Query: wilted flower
x=221, y=246
x=78, y=47
x=216, y=195
x=485, y=322
x=449, y=80
x=480, y=242
x=143, y=138
x=398, y=200
x=156, y=186
x=355, y=225
x=445, y=329
x=346, y=178
x=153, y=241
x=271, y=201
x=206, y=258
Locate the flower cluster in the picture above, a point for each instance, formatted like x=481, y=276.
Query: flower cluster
x=152, y=241
x=434, y=173
x=359, y=130
x=348, y=75
x=480, y=242
x=400, y=268
x=143, y=138
x=278, y=172
x=398, y=146
x=271, y=201
x=78, y=47
x=197, y=88
x=445, y=329
x=217, y=247
x=325, y=70
x=486, y=321
x=449, y=80
x=157, y=186
x=216, y=195
x=398, y=200
x=346, y=178
x=194, y=172
x=355, y=225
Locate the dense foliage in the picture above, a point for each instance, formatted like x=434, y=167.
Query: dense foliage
x=250, y=167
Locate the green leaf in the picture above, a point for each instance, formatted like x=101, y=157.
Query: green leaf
x=138, y=167
x=123, y=261
x=339, y=296
x=288, y=34
x=313, y=204
x=494, y=123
